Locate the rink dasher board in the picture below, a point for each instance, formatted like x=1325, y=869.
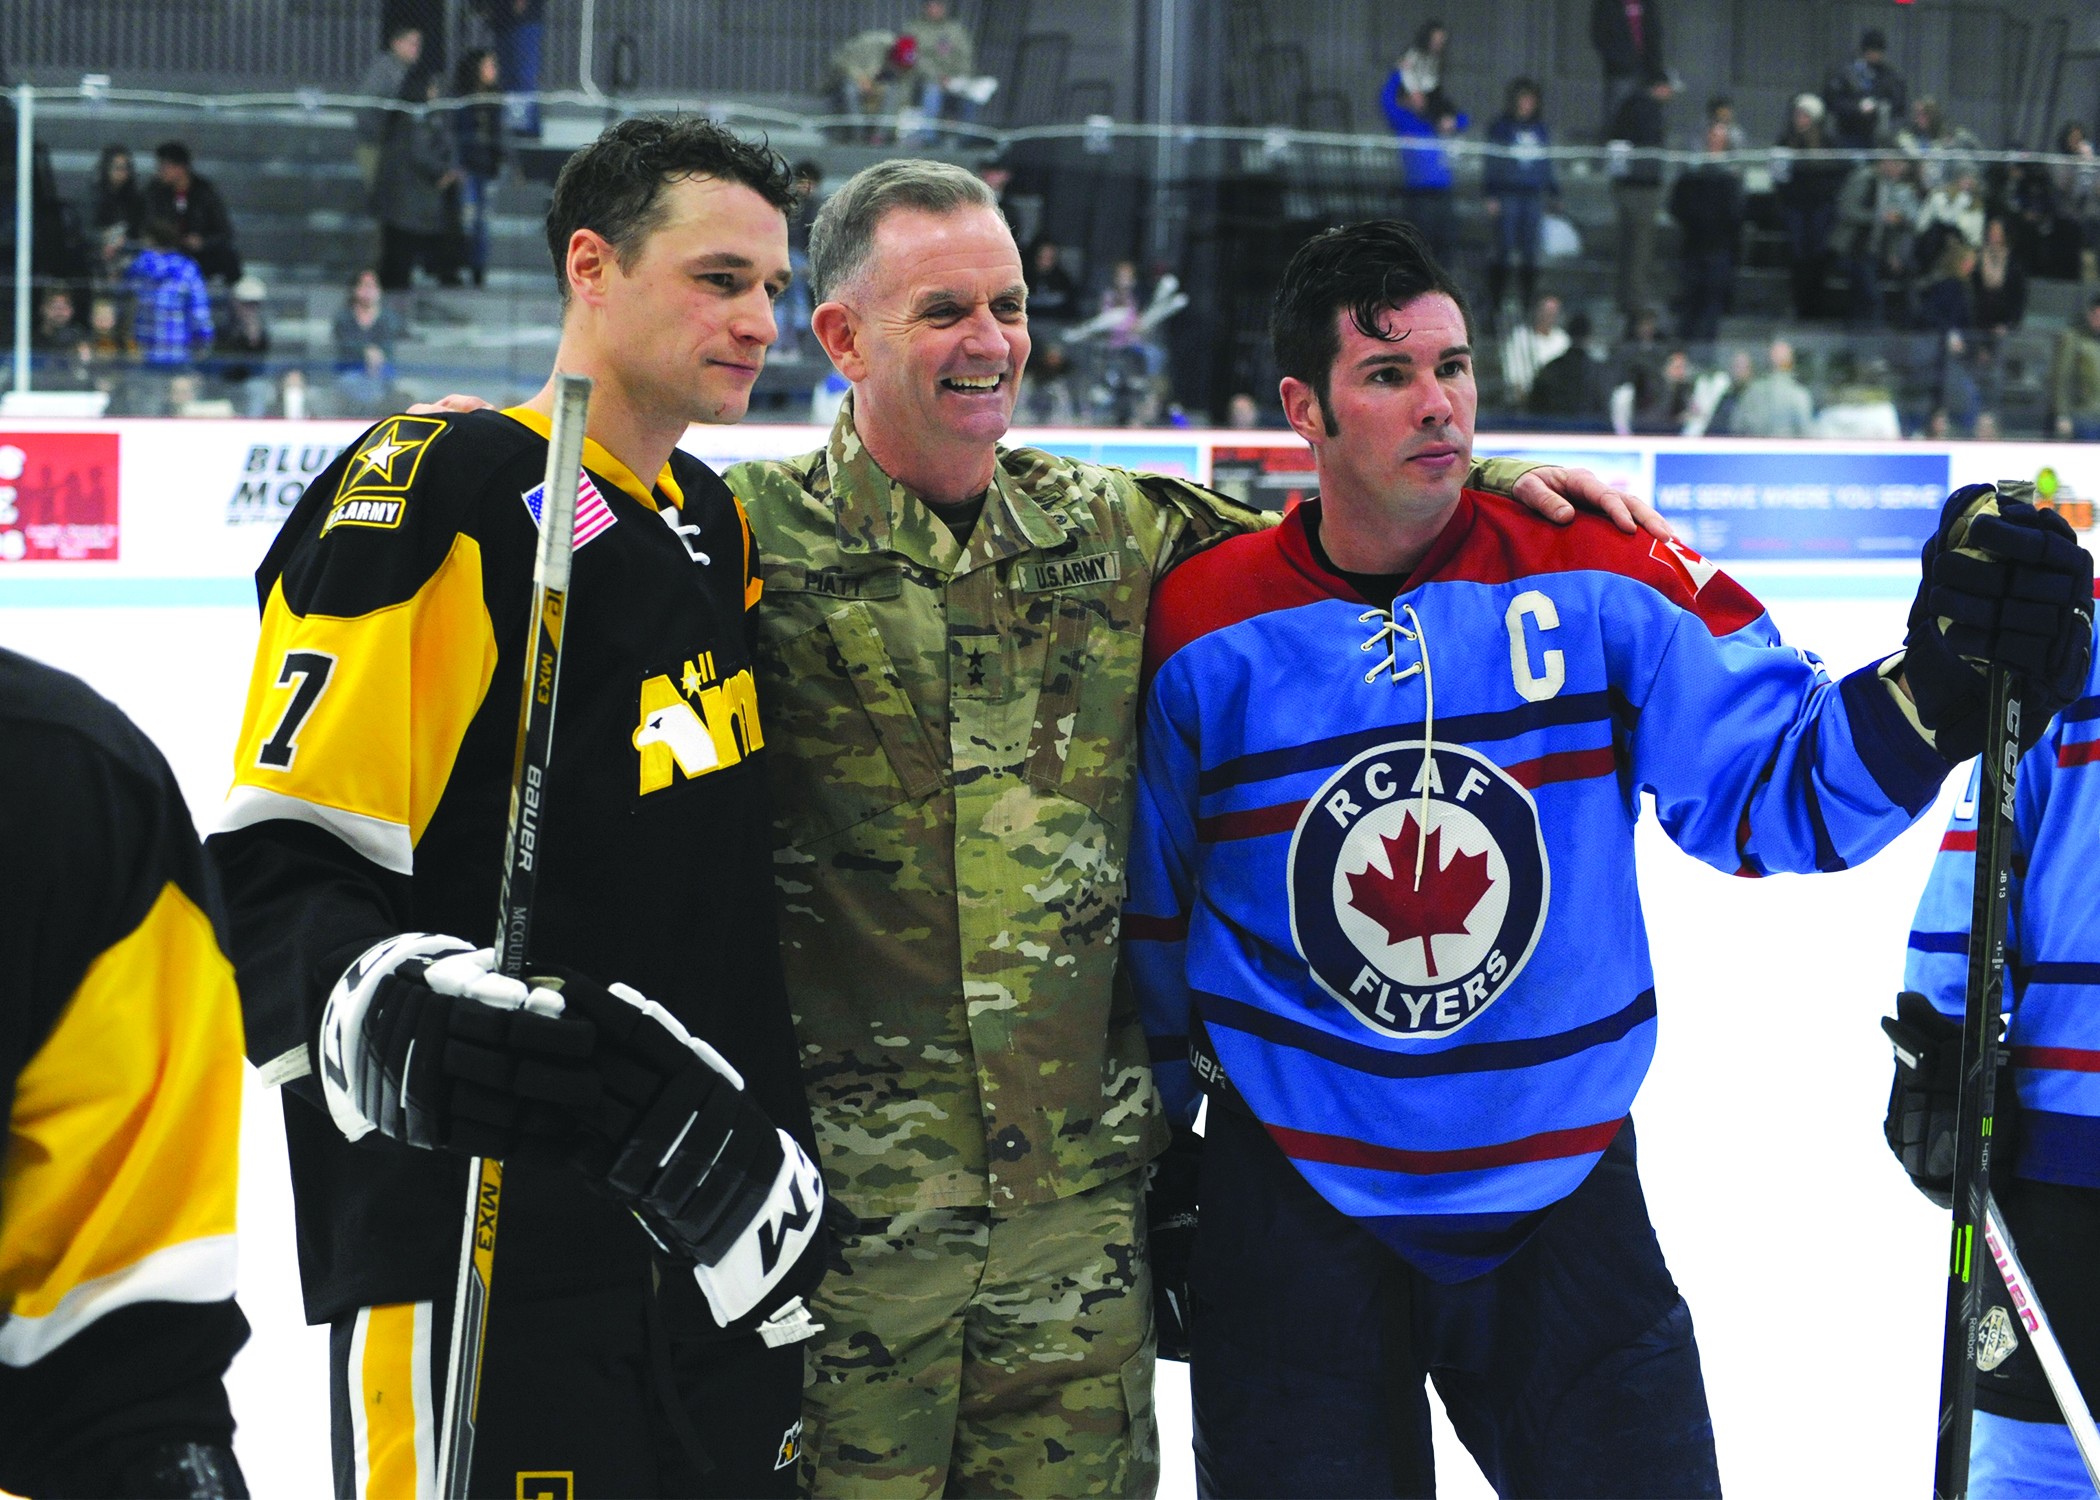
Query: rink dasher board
x=176, y=513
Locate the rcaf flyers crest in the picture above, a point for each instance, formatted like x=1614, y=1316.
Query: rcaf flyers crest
x=1418, y=955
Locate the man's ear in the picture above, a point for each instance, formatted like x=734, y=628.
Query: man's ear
x=837, y=328
x=1302, y=409
x=589, y=265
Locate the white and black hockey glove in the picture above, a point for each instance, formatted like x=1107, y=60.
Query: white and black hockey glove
x=2004, y=584
x=423, y=1043
x=675, y=1137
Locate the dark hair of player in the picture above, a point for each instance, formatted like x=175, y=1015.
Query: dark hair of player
x=614, y=186
x=1362, y=269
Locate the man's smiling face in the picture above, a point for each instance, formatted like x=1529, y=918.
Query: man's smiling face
x=940, y=328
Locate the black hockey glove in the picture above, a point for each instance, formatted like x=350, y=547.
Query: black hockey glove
x=675, y=1137
x=1925, y=1099
x=2005, y=584
x=1170, y=1220
x=423, y=1043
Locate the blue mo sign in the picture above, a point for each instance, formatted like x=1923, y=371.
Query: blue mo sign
x=1759, y=504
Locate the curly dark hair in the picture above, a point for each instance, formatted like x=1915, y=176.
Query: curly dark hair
x=1364, y=269
x=615, y=185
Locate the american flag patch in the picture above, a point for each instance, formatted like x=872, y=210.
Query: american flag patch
x=593, y=515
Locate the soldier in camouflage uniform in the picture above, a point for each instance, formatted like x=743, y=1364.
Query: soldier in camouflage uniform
x=949, y=655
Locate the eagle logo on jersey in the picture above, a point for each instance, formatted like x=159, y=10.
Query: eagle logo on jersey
x=694, y=721
x=1418, y=956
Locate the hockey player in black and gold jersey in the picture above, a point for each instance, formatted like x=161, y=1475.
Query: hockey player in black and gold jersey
x=120, y=1076
x=367, y=814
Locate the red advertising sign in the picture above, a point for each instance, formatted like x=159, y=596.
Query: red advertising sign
x=58, y=496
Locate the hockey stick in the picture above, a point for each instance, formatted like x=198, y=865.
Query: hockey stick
x=1982, y=1003
x=2027, y=1307
x=521, y=837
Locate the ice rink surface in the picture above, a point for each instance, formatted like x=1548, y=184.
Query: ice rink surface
x=1814, y=1273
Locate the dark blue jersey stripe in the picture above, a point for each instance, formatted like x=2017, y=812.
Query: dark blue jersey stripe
x=1471, y=729
x=2060, y=973
x=1479, y=1057
x=1940, y=942
x=2082, y=710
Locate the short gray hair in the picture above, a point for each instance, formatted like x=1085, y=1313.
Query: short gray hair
x=843, y=235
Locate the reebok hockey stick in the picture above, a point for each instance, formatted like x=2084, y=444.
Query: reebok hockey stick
x=1982, y=1003
x=521, y=836
x=2027, y=1307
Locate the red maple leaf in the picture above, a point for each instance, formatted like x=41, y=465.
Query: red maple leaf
x=1448, y=894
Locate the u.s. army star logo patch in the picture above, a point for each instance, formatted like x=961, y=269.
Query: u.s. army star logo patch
x=382, y=469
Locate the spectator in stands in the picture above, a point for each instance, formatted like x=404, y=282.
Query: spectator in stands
x=1720, y=110
x=946, y=68
x=1998, y=296
x=1947, y=309
x=1877, y=220
x=1987, y=428
x=1421, y=72
x=59, y=344
x=1775, y=405
x=1707, y=203
x=1953, y=209
x=1861, y=404
x=517, y=27
x=791, y=314
x=365, y=331
x=203, y=228
x=1530, y=347
x=1050, y=393
x=1517, y=184
x=1053, y=296
x=117, y=212
x=1807, y=190
x=478, y=131
x=2025, y=193
x=384, y=78
x=2078, y=195
x=241, y=352
x=1636, y=191
x=1425, y=168
x=1243, y=412
x=1720, y=421
x=1569, y=391
x=171, y=311
x=420, y=162
x=2074, y=377
x=1867, y=98
x=108, y=342
x=866, y=70
x=1628, y=37
x=1938, y=144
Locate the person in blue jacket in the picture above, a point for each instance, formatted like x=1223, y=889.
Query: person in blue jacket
x=2047, y=1110
x=1424, y=123
x=1383, y=909
x=1516, y=187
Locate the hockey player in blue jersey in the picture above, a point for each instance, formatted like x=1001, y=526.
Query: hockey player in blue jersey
x=1382, y=906
x=2048, y=1185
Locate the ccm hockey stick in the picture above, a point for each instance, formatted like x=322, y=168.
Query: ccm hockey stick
x=2027, y=1308
x=521, y=838
x=1983, y=1002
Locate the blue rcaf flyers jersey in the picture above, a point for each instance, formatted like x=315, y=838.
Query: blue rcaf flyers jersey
x=1445, y=1054
x=2052, y=951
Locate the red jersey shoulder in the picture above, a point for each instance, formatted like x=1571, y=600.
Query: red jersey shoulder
x=1233, y=579
x=1508, y=542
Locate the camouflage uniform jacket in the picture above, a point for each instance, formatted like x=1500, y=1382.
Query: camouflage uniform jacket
x=951, y=728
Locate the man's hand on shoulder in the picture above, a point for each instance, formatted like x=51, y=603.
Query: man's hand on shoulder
x=456, y=402
x=1554, y=492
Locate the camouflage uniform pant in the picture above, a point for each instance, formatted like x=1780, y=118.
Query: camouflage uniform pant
x=968, y=1353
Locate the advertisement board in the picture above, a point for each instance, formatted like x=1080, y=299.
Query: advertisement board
x=172, y=512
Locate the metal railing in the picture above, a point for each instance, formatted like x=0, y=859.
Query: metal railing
x=1307, y=176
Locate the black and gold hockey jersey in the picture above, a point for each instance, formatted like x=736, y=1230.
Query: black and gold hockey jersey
x=372, y=781
x=120, y=1075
